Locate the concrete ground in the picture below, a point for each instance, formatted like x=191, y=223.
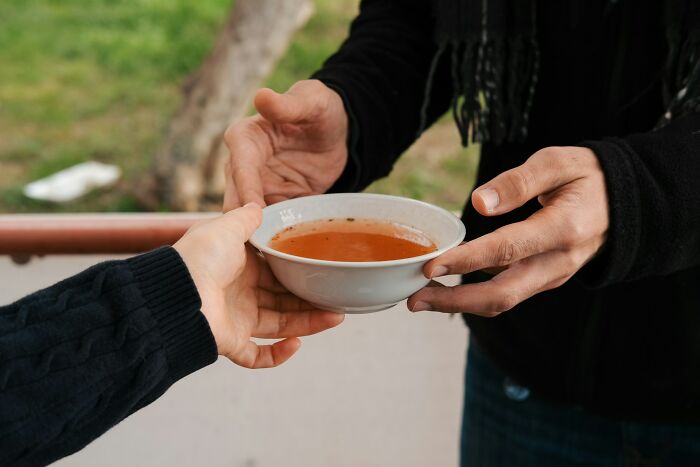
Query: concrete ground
x=381, y=390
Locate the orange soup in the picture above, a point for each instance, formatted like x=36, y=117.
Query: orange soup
x=352, y=239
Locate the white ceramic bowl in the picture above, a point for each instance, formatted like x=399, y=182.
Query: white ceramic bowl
x=355, y=287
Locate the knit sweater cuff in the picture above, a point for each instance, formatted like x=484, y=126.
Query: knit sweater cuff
x=617, y=258
x=172, y=298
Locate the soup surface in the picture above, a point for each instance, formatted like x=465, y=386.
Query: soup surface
x=352, y=239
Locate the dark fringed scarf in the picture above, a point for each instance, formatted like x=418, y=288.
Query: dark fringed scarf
x=494, y=59
x=682, y=83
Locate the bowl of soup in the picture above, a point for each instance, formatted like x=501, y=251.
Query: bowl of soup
x=354, y=252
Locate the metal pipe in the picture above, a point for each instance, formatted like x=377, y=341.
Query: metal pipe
x=41, y=234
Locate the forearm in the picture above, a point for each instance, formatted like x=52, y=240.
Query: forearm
x=78, y=357
x=654, y=197
x=381, y=72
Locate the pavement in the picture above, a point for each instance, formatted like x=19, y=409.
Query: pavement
x=383, y=389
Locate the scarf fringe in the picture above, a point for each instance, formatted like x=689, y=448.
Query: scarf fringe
x=494, y=85
x=683, y=80
x=495, y=62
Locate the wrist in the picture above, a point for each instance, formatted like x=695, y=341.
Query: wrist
x=172, y=298
x=349, y=178
x=201, y=284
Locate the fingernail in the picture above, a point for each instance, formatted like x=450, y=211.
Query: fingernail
x=252, y=204
x=422, y=306
x=439, y=271
x=490, y=198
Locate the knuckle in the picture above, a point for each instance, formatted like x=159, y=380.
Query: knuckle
x=562, y=278
x=505, y=302
x=569, y=160
x=573, y=232
x=283, y=320
x=554, y=158
x=506, y=252
x=313, y=85
x=320, y=102
x=560, y=282
x=465, y=264
x=550, y=154
x=571, y=263
x=556, y=283
x=572, y=159
x=583, y=158
x=521, y=181
x=314, y=94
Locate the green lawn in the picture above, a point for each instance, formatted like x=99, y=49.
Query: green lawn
x=99, y=79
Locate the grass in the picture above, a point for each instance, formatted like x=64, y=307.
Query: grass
x=92, y=79
x=99, y=79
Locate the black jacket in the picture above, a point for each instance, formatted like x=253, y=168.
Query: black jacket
x=623, y=337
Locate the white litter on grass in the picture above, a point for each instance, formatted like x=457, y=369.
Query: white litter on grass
x=73, y=182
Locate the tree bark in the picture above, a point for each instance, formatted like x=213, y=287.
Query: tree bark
x=255, y=35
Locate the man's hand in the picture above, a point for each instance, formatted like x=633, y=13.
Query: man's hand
x=295, y=146
x=537, y=254
x=240, y=297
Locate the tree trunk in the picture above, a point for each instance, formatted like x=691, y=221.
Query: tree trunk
x=256, y=34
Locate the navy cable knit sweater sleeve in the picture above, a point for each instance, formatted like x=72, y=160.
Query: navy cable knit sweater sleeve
x=80, y=356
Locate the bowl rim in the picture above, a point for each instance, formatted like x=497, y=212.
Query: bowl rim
x=459, y=236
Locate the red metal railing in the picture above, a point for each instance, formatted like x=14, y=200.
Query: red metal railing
x=30, y=234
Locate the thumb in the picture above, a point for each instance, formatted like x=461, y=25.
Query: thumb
x=544, y=171
x=285, y=108
x=243, y=221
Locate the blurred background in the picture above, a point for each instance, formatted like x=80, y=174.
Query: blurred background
x=113, y=81
x=101, y=80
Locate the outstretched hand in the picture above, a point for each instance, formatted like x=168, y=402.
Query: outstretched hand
x=241, y=298
x=537, y=254
x=295, y=146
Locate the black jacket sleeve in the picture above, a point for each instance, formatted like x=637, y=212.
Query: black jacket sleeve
x=381, y=72
x=653, y=183
x=80, y=356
